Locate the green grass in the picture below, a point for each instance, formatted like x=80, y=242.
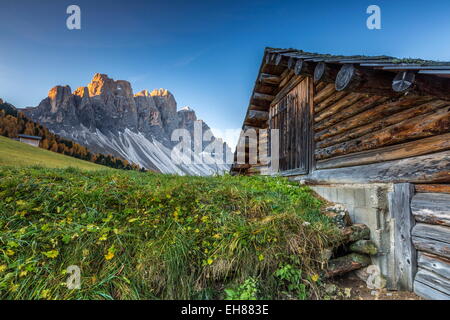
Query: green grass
x=151, y=236
x=18, y=154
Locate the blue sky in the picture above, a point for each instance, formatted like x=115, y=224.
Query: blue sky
x=206, y=52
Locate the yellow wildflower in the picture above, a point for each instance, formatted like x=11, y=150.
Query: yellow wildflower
x=110, y=253
x=10, y=252
x=51, y=254
x=315, y=277
x=3, y=267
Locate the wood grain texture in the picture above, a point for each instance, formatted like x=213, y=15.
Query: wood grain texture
x=377, y=124
x=423, y=126
x=427, y=292
x=432, y=208
x=377, y=113
x=432, y=246
x=434, y=232
x=339, y=105
x=398, y=151
x=431, y=168
x=433, y=280
x=433, y=188
x=437, y=264
x=405, y=254
x=362, y=105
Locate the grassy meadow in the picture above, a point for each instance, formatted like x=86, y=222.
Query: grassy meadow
x=151, y=236
x=17, y=154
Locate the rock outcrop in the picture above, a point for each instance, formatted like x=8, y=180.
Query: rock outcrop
x=107, y=117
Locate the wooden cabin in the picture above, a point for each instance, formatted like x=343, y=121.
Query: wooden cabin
x=31, y=140
x=371, y=133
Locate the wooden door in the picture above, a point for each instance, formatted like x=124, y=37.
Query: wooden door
x=292, y=116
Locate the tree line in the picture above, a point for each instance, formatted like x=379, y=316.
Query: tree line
x=14, y=122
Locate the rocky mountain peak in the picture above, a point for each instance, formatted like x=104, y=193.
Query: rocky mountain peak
x=107, y=117
x=143, y=93
x=101, y=85
x=82, y=92
x=161, y=92
x=58, y=96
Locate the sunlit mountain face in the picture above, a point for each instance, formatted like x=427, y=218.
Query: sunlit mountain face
x=107, y=117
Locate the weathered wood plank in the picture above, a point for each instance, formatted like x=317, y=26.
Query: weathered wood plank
x=324, y=94
x=269, y=78
x=398, y=151
x=422, y=85
x=423, y=126
x=330, y=100
x=356, y=79
x=434, y=232
x=433, y=280
x=373, y=126
x=437, y=264
x=379, y=112
x=432, y=208
x=339, y=105
x=358, y=107
x=427, y=292
x=293, y=82
x=432, y=246
x=433, y=188
x=404, y=253
x=431, y=168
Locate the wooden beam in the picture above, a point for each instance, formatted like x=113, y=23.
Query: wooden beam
x=437, y=264
x=405, y=255
x=304, y=68
x=428, y=292
x=263, y=96
x=358, y=107
x=398, y=151
x=421, y=84
x=282, y=60
x=380, y=112
x=371, y=120
x=326, y=72
x=423, y=126
x=431, y=168
x=334, y=98
x=346, y=101
x=357, y=79
x=435, y=232
x=432, y=246
x=324, y=94
x=269, y=78
x=433, y=188
x=295, y=80
x=432, y=208
x=434, y=281
x=254, y=115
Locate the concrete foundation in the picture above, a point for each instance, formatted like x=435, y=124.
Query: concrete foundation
x=368, y=204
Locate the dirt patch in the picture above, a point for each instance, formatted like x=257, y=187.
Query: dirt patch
x=350, y=287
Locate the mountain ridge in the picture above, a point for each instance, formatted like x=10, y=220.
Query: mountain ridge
x=108, y=117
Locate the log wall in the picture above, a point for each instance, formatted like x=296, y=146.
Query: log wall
x=353, y=128
x=430, y=208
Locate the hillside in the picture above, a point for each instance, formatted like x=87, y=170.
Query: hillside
x=151, y=236
x=18, y=154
